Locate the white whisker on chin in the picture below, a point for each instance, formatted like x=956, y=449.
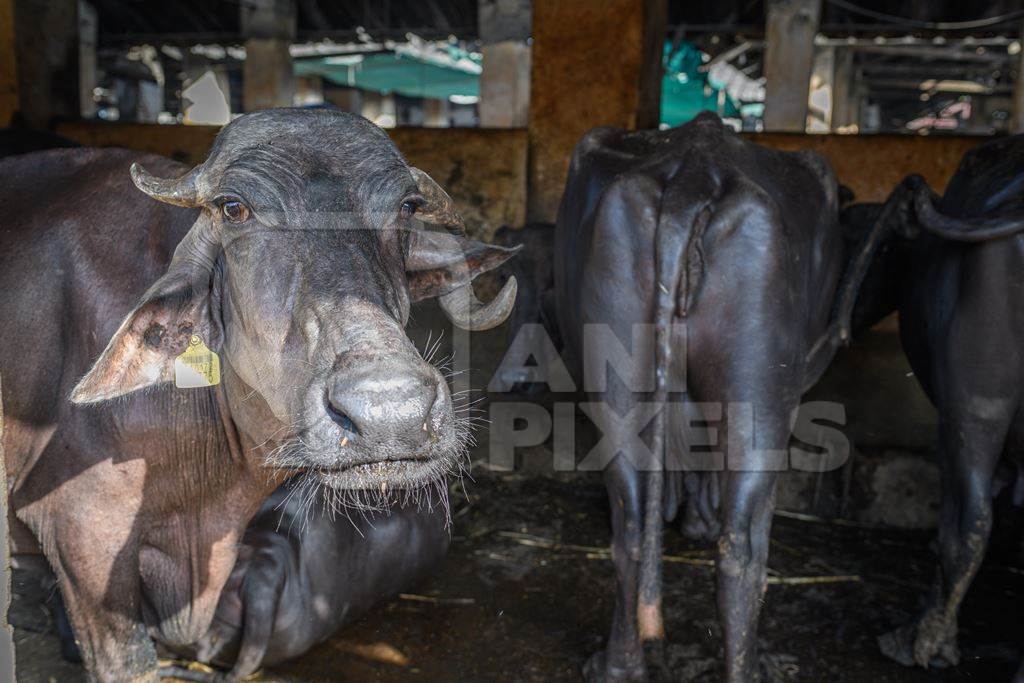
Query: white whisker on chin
x=327, y=481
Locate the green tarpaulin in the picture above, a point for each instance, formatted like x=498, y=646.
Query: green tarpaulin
x=685, y=90
x=388, y=72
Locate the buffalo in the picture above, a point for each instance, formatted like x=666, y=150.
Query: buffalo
x=953, y=266
x=300, y=576
x=15, y=141
x=535, y=306
x=733, y=254
x=284, y=265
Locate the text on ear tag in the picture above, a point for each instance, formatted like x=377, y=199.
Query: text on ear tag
x=197, y=367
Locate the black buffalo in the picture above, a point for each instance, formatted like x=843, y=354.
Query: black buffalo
x=732, y=252
x=294, y=253
x=954, y=269
x=15, y=141
x=535, y=300
x=302, y=574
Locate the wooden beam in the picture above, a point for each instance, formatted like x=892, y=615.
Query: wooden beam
x=46, y=43
x=8, y=64
x=594, y=63
x=789, y=53
x=872, y=165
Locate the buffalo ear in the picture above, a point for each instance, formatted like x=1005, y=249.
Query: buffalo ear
x=438, y=263
x=142, y=351
x=438, y=208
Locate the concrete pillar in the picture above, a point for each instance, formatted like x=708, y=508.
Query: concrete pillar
x=581, y=79
x=980, y=121
x=789, y=52
x=505, y=85
x=371, y=105
x=505, y=81
x=435, y=113
x=309, y=90
x=388, y=117
x=268, y=79
x=8, y=65
x=346, y=99
x=88, y=29
x=845, y=101
x=379, y=108
x=1017, y=122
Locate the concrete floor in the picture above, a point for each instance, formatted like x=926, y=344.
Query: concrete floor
x=521, y=598
x=512, y=602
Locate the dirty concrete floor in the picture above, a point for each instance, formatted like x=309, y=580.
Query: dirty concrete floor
x=510, y=604
x=506, y=606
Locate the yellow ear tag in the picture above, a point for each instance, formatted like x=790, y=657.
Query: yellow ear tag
x=197, y=367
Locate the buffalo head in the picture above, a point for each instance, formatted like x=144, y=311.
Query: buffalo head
x=306, y=252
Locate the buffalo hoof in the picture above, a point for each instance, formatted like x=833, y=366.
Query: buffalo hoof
x=598, y=670
x=929, y=643
x=181, y=672
x=656, y=654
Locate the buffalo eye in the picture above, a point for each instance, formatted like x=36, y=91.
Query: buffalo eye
x=235, y=211
x=409, y=207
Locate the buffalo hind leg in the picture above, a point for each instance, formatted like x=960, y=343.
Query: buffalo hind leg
x=969, y=453
x=623, y=657
x=741, y=568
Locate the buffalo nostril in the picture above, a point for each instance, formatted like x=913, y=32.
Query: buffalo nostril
x=341, y=419
x=440, y=407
